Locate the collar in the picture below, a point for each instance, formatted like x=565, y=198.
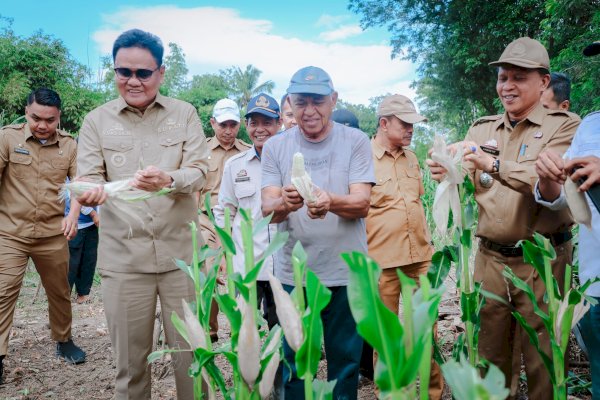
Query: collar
x=379, y=151
x=159, y=99
x=536, y=117
x=251, y=154
x=213, y=143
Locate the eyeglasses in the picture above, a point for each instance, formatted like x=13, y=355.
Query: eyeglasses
x=141, y=74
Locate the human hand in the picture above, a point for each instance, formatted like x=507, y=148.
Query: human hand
x=93, y=197
x=292, y=200
x=319, y=208
x=69, y=226
x=95, y=218
x=550, y=167
x=587, y=168
x=151, y=179
x=479, y=158
x=437, y=171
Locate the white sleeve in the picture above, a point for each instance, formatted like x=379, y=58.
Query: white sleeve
x=558, y=204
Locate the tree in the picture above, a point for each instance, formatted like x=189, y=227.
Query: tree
x=243, y=84
x=453, y=41
x=42, y=61
x=367, y=115
x=175, y=72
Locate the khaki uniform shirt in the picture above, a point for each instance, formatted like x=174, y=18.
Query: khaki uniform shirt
x=216, y=162
x=508, y=211
x=117, y=140
x=397, y=231
x=32, y=175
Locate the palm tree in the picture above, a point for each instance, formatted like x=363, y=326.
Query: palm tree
x=243, y=84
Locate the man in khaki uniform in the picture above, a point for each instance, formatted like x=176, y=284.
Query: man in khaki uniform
x=156, y=142
x=35, y=160
x=502, y=150
x=397, y=232
x=225, y=144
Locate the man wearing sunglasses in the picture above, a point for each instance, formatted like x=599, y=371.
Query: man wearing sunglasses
x=156, y=142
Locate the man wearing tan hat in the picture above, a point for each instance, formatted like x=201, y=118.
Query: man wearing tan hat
x=501, y=151
x=397, y=232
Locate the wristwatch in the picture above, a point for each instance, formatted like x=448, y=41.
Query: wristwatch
x=496, y=166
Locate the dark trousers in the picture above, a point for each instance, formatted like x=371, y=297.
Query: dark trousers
x=590, y=330
x=264, y=296
x=343, y=347
x=83, y=252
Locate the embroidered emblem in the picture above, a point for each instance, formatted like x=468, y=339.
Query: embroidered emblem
x=262, y=101
x=242, y=172
x=491, y=143
x=118, y=160
x=309, y=77
x=538, y=134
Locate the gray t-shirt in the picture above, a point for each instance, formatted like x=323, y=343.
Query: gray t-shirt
x=341, y=159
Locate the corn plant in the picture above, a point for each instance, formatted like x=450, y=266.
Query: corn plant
x=466, y=381
x=404, y=347
x=456, y=193
x=564, y=310
x=253, y=353
x=300, y=316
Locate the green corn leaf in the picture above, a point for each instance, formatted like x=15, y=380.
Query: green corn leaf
x=207, y=291
x=180, y=326
x=379, y=326
x=208, y=208
x=466, y=239
x=441, y=263
x=182, y=265
x=520, y=284
x=323, y=390
x=468, y=306
x=468, y=185
x=155, y=355
x=228, y=306
x=466, y=382
x=262, y=224
x=277, y=241
x=241, y=287
x=533, y=338
x=309, y=354
x=226, y=240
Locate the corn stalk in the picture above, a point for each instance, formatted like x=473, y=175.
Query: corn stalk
x=404, y=347
x=564, y=310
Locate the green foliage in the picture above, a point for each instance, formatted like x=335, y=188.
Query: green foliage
x=466, y=382
x=366, y=115
x=243, y=84
x=453, y=41
x=176, y=71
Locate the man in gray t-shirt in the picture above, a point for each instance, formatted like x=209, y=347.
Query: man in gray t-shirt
x=338, y=159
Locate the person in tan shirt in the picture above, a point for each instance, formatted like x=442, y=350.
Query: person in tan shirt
x=156, y=142
x=397, y=232
x=501, y=151
x=35, y=160
x=225, y=144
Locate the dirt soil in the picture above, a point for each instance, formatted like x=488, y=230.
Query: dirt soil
x=33, y=372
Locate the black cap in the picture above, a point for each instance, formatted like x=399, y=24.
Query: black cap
x=345, y=117
x=592, y=49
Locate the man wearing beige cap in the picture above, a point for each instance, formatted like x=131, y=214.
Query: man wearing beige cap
x=501, y=151
x=397, y=232
x=225, y=144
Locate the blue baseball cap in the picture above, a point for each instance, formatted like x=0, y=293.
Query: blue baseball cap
x=311, y=80
x=263, y=104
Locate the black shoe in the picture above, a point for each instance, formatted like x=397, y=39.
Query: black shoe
x=1, y=370
x=70, y=352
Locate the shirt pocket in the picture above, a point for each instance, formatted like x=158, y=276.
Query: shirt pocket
x=383, y=193
x=244, y=192
x=59, y=167
x=119, y=156
x=171, y=150
x=20, y=165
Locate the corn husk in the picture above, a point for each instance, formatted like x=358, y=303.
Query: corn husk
x=121, y=190
x=268, y=377
x=288, y=315
x=578, y=312
x=248, y=345
x=446, y=194
x=196, y=335
x=577, y=201
x=301, y=180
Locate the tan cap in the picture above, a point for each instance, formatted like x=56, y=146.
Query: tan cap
x=401, y=107
x=525, y=52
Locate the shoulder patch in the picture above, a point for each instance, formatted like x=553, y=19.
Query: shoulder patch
x=64, y=133
x=13, y=126
x=488, y=118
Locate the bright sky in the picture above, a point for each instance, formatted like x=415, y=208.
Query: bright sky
x=277, y=37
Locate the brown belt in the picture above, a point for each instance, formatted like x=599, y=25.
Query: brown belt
x=506, y=250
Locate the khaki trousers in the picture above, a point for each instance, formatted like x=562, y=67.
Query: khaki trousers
x=209, y=235
x=130, y=307
x=498, y=325
x=389, y=289
x=51, y=258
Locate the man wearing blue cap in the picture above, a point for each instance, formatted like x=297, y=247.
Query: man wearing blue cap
x=338, y=158
x=240, y=188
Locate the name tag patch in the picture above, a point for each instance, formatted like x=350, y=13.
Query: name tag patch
x=21, y=150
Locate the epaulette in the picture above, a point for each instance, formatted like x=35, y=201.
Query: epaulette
x=560, y=112
x=14, y=126
x=488, y=118
x=64, y=133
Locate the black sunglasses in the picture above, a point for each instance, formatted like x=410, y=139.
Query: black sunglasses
x=141, y=74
